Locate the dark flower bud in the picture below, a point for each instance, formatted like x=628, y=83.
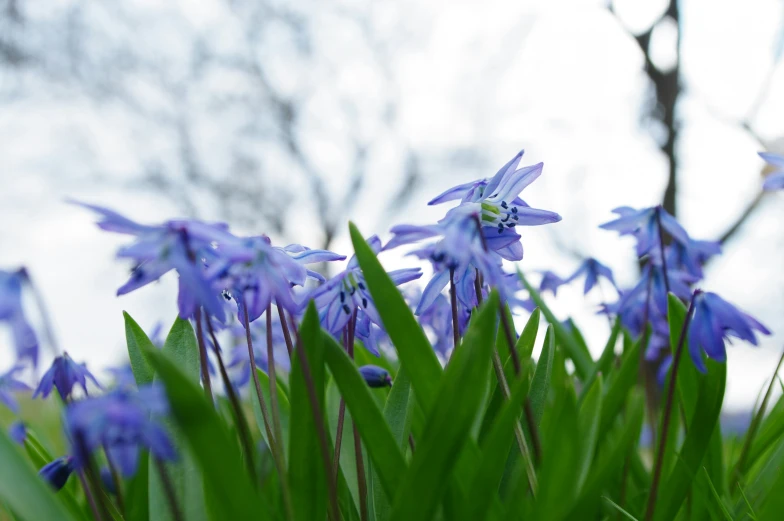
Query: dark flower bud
x=57, y=472
x=375, y=376
x=18, y=432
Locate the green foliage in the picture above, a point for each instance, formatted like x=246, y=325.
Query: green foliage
x=444, y=442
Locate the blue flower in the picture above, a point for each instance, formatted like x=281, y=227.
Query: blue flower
x=12, y=313
x=437, y=320
x=458, y=253
x=9, y=386
x=496, y=200
x=592, y=269
x=17, y=431
x=774, y=181
x=550, y=282
x=57, y=472
x=181, y=245
x=715, y=321
x=258, y=274
x=346, y=293
x=239, y=361
x=107, y=480
x=375, y=376
x=642, y=224
x=692, y=256
x=64, y=374
x=123, y=422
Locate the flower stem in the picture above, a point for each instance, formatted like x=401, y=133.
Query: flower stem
x=661, y=249
x=205, y=371
x=116, y=479
x=318, y=417
x=453, y=298
x=168, y=489
x=44, y=312
x=286, y=334
x=91, y=478
x=274, y=448
x=89, y=496
x=348, y=345
x=667, y=412
x=273, y=381
x=361, y=480
x=236, y=406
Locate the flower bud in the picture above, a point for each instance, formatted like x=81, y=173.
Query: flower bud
x=57, y=472
x=375, y=376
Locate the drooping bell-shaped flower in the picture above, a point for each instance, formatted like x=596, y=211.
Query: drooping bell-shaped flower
x=692, y=256
x=643, y=225
x=346, y=293
x=258, y=274
x=181, y=245
x=550, y=282
x=57, y=472
x=12, y=313
x=123, y=422
x=593, y=270
x=375, y=376
x=64, y=375
x=775, y=180
x=716, y=321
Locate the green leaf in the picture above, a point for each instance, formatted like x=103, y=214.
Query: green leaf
x=411, y=343
x=447, y=429
x=527, y=339
x=719, y=501
x=283, y=405
x=588, y=428
x=577, y=352
x=398, y=413
x=181, y=349
x=774, y=504
x=557, y=476
x=495, y=450
x=138, y=342
x=706, y=415
x=540, y=385
x=307, y=476
x=604, y=364
x=611, y=456
x=619, y=384
x=137, y=493
x=771, y=430
x=619, y=509
x=226, y=483
x=23, y=490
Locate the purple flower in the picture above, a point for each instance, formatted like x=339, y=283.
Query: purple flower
x=692, y=256
x=9, y=386
x=18, y=432
x=496, y=200
x=458, y=252
x=375, y=376
x=715, y=321
x=774, y=181
x=12, y=313
x=64, y=374
x=653, y=277
x=57, y=472
x=123, y=422
x=181, y=245
x=642, y=224
x=550, y=282
x=437, y=320
x=346, y=293
x=258, y=274
x=592, y=269
x=107, y=480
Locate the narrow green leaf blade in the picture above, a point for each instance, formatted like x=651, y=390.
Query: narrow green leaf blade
x=231, y=494
x=138, y=342
x=23, y=490
x=410, y=342
x=448, y=426
x=307, y=475
x=588, y=428
x=544, y=369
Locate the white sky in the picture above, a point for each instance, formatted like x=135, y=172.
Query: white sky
x=562, y=79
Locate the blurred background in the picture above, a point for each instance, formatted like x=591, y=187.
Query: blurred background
x=291, y=117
